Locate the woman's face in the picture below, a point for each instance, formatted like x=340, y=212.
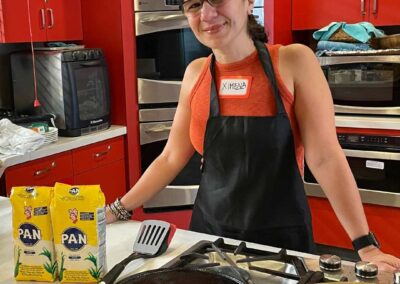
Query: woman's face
x=220, y=25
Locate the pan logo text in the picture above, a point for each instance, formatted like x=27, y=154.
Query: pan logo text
x=73, y=239
x=29, y=234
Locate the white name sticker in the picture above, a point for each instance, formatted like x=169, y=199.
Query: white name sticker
x=375, y=165
x=235, y=86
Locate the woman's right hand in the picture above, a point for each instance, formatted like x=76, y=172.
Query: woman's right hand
x=110, y=217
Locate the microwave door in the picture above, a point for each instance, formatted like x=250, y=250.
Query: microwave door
x=151, y=22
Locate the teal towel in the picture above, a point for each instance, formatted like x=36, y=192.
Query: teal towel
x=362, y=31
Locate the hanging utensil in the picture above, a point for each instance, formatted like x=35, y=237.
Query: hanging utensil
x=153, y=240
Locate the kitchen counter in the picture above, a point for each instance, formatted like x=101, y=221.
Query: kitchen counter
x=63, y=144
x=119, y=244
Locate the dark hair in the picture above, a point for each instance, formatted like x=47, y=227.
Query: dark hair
x=256, y=30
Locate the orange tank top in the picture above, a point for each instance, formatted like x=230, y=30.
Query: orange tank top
x=259, y=102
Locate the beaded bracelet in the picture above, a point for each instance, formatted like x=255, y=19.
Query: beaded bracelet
x=119, y=211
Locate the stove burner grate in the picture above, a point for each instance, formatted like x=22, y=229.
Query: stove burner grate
x=202, y=256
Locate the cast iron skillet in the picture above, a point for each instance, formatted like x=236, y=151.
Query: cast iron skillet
x=183, y=276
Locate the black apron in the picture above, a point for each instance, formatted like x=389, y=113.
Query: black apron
x=251, y=188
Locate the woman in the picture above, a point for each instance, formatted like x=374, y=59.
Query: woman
x=253, y=113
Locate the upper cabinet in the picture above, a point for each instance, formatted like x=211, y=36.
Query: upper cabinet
x=315, y=14
x=41, y=20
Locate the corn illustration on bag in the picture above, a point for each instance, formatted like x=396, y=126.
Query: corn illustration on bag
x=34, y=256
x=78, y=218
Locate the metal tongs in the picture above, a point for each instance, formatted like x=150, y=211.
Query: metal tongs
x=243, y=275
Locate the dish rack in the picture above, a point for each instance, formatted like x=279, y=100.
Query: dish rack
x=51, y=136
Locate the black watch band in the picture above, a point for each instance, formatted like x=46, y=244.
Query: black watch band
x=365, y=241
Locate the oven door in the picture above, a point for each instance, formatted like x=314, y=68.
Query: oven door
x=182, y=191
x=364, y=84
x=373, y=170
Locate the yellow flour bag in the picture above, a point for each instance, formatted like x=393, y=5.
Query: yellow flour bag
x=78, y=218
x=33, y=238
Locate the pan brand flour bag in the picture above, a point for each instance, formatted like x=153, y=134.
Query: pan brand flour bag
x=78, y=218
x=34, y=257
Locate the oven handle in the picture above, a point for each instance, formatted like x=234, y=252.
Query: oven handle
x=158, y=128
x=372, y=154
x=91, y=63
x=164, y=18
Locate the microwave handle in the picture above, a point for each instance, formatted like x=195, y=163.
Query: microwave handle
x=90, y=63
x=366, y=154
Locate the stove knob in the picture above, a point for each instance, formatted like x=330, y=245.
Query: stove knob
x=364, y=269
x=330, y=262
x=396, y=278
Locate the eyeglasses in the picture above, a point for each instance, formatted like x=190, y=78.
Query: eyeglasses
x=191, y=7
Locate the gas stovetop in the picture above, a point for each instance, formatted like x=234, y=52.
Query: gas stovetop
x=270, y=267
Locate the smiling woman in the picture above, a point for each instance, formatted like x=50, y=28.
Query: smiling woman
x=253, y=144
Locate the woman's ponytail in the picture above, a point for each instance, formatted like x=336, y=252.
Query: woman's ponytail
x=255, y=30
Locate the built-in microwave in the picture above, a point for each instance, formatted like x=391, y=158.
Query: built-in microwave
x=364, y=84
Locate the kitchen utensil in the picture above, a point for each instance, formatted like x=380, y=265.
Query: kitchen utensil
x=241, y=273
x=153, y=240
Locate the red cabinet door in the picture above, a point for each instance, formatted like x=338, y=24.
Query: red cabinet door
x=14, y=21
x=42, y=172
x=63, y=19
x=384, y=12
x=111, y=178
x=381, y=220
x=51, y=20
x=102, y=163
x=315, y=14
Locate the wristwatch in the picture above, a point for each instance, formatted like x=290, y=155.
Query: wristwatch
x=365, y=241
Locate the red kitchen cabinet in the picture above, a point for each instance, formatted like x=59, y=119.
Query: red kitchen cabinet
x=41, y=172
x=381, y=220
x=315, y=14
x=47, y=20
x=102, y=163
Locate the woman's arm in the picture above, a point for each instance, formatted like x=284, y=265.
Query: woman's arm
x=324, y=156
x=175, y=155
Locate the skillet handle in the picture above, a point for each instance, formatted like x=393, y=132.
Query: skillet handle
x=113, y=274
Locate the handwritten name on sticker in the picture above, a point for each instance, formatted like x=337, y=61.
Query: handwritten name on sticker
x=235, y=87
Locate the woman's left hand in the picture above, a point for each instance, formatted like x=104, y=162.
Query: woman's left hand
x=385, y=262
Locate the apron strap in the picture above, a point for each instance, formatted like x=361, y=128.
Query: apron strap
x=214, y=103
x=266, y=62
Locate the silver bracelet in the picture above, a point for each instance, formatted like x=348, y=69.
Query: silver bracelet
x=119, y=211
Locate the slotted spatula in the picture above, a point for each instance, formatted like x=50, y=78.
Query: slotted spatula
x=152, y=240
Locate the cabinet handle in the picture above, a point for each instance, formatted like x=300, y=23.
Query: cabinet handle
x=46, y=170
x=43, y=18
x=375, y=7
x=362, y=7
x=51, y=15
x=99, y=154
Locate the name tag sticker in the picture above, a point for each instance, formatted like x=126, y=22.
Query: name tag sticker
x=235, y=87
x=375, y=165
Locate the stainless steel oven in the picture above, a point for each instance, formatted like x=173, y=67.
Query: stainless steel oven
x=364, y=84
x=165, y=46
x=375, y=163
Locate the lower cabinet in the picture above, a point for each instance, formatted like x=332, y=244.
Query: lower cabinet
x=382, y=220
x=99, y=163
x=44, y=171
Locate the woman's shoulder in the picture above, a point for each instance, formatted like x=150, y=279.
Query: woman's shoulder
x=194, y=71
x=297, y=58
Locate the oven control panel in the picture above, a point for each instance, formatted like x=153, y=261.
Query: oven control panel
x=369, y=142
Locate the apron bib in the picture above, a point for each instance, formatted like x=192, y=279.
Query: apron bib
x=251, y=188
